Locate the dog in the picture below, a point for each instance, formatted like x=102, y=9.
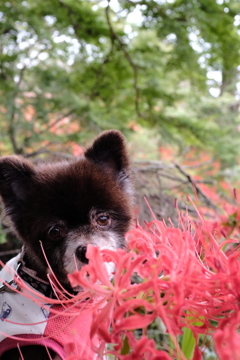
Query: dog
x=57, y=209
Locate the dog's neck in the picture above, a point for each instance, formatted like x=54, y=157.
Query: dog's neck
x=30, y=266
x=37, y=281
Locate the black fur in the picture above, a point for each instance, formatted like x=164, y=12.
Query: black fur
x=70, y=197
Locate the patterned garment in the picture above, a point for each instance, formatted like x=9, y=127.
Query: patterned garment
x=27, y=319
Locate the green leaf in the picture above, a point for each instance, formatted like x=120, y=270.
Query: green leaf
x=125, y=348
x=188, y=343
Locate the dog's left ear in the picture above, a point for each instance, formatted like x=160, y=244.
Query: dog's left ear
x=16, y=174
x=109, y=151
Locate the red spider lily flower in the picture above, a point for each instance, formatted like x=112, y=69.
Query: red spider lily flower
x=227, y=339
x=94, y=277
x=197, y=354
x=184, y=278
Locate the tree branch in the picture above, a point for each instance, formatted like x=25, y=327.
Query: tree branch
x=100, y=70
x=194, y=184
x=45, y=151
x=11, y=128
x=134, y=3
x=130, y=61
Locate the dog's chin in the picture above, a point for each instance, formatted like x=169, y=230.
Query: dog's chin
x=66, y=287
x=63, y=285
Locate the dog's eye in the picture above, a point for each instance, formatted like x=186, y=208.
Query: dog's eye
x=55, y=233
x=103, y=220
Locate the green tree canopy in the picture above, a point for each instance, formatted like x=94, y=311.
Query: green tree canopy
x=70, y=68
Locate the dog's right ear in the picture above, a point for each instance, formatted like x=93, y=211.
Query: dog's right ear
x=110, y=152
x=15, y=176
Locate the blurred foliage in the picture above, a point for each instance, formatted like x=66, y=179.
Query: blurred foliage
x=71, y=68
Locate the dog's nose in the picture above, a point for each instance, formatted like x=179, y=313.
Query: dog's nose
x=81, y=254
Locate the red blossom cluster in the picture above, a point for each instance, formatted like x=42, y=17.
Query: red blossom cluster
x=185, y=276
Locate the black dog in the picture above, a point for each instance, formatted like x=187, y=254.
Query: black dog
x=66, y=205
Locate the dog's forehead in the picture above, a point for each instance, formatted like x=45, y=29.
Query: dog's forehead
x=78, y=176
x=80, y=185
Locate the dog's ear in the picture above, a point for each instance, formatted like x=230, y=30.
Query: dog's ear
x=109, y=151
x=15, y=176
